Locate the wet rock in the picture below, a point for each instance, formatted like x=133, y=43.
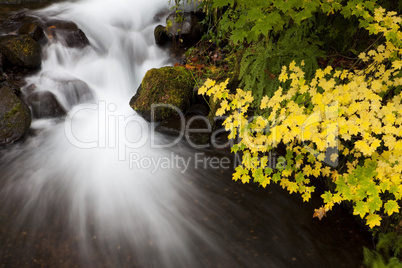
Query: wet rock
x=166, y=92
x=15, y=117
x=21, y=50
x=12, y=85
x=12, y=23
x=33, y=30
x=185, y=27
x=66, y=32
x=44, y=104
x=161, y=37
x=76, y=91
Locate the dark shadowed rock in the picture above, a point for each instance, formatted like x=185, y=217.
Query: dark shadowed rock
x=12, y=23
x=15, y=117
x=12, y=86
x=21, y=50
x=161, y=37
x=44, y=104
x=66, y=32
x=33, y=30
x=185, y=27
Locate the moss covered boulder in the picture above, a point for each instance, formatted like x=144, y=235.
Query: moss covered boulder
x=21, y=50
x=166, y=90
x=15, y=117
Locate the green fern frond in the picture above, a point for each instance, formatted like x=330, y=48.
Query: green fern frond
x=262, y=63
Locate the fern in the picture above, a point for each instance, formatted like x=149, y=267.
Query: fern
x=387, y=253
x=261, y=63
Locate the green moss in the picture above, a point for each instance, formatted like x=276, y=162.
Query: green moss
x=12, y=112
x=166, y=85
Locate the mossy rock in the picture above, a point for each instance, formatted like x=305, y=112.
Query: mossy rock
x=15, y=117
x=21, y=50
x=160, y=35
x=167, y=86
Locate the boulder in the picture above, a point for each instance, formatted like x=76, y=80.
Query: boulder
x=33, y=30
x=15, y=117
x=185, y=27
x=161, y=37
x=66, y=32
x=21, y=50
x=172, y=87
x=44, y=104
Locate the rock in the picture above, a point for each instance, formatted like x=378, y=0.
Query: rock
x=66, y=32
x=15, y=117
x=12, y=86
x=185, y=27
x=171, y=87
x=21, y=50
x=44, y=104
x=33, y=30
x=161, y=37
x=12, y=24
x=76, y=91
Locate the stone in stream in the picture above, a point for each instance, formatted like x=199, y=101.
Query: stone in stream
x=169, y=87
x=15, y=117
x=161, y=37
x=33, y=30
x=76, y=91
x=183, y=28
x=66, y=32
x=44, y=104
x=21, y=50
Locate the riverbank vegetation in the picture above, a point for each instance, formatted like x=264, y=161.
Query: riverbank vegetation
x=320, y=82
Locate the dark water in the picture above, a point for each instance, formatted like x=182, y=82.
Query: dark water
x=85, y=191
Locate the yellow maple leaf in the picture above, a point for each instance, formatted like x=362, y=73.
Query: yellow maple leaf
x=397, y=64
x=334, y=157
x=373, y=220
x=202, y=90
x=209, y=83
x=264, y=102
x=363, y=57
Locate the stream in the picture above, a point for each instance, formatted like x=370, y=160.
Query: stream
x=100, y=188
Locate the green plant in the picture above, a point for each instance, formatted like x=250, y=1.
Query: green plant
x=387, y=253
x=338, y=114
x=262, y=62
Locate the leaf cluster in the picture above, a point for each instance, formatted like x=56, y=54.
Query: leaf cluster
x=341, y=125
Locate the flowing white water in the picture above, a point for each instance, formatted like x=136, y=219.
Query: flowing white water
x=97, y=167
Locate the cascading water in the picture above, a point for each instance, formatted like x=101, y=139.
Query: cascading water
x=92, y=190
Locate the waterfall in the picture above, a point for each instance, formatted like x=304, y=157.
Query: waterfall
x=84, y=170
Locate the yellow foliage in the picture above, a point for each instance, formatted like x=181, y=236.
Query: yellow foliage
x=347, y=120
